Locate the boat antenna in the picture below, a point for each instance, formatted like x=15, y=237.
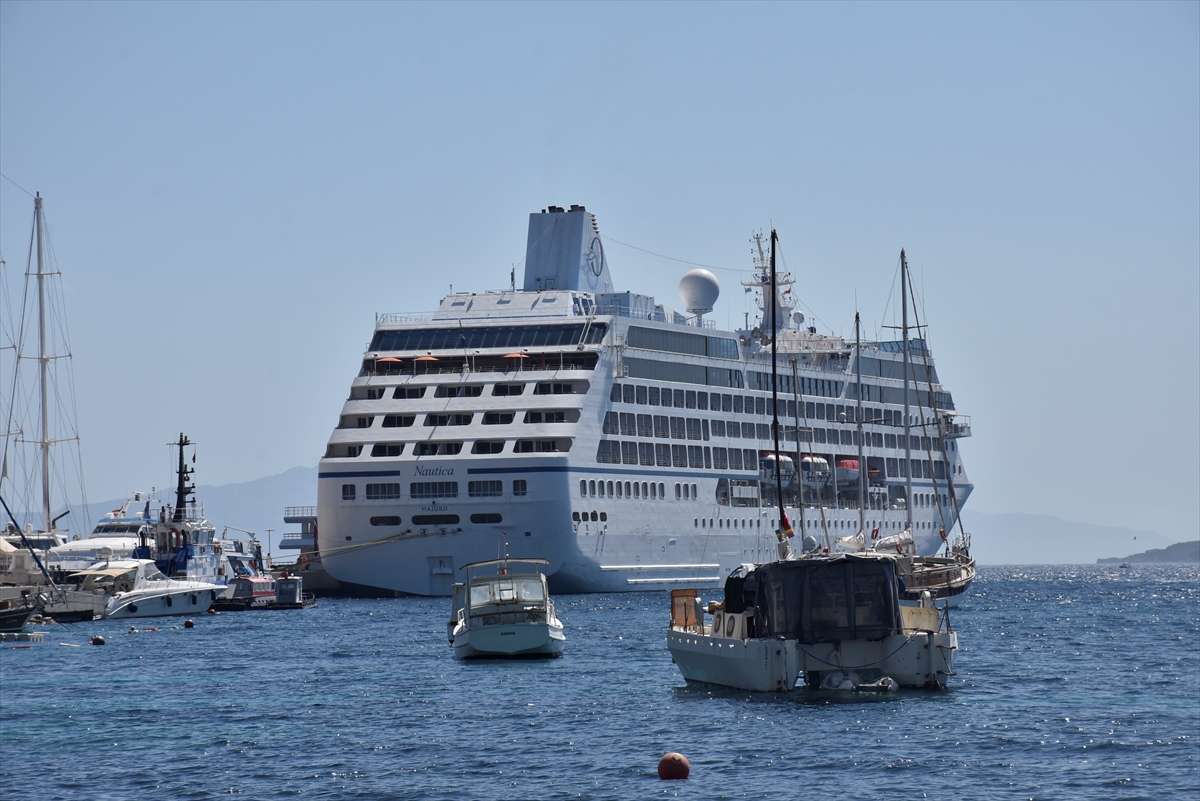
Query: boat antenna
x=785, y=531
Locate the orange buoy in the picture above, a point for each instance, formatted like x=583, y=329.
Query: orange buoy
x=97, y=640
x=189, y=624
x=673, y=766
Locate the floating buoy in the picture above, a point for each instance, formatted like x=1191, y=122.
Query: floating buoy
x=18, y=646
x=189, y=624
x=673, y=766
x=213, y=612
x=97, y=640
x=133, y=629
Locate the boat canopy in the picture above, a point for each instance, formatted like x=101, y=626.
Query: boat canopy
x=474, y=565
x=830, y=599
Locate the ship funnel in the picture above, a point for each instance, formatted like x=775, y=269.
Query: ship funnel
x=564, y=252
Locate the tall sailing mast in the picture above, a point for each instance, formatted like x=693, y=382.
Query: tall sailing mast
x=908, y=519
x=862, y=466
x=43, y=361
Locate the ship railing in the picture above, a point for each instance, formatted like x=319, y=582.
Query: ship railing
x=299, y=511
x=955, y=426
x=393, y=318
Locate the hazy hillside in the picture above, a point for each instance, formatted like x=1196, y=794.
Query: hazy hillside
x=1179, y=553
x=997, y=539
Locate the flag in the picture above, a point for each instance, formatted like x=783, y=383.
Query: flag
x=787, y=527
x=193, y=457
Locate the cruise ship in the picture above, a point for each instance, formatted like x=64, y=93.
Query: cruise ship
x=629, y=444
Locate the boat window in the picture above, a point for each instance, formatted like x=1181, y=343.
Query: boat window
x=408, y=393
x=486, y=517
x=154, y=574
x=488, y=446
x=427, y=489
x=459, y=391
x=385, y=520
x=531, y=590
x=348, y=492
x=434, y=520
x=485, y=489
x=386, y=449
x=481, y=595
x=479, y=337
x=438, y=448
x=508, y=389
x=497, y=418
x=398, y=420
x=827, y=602
x=383, y=492
x=520, y=487
x=678, y=491
x=653, y=392
x=641, y=396
x=627, y=393
x=449, y=419
x=603, y=516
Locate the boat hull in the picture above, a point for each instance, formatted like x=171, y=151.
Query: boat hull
x=512, y=640
x=160, y=603
x=916, y=659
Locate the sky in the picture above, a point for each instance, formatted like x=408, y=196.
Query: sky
x=234, y=190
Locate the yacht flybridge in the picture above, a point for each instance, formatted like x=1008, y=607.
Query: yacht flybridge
x=629, y=444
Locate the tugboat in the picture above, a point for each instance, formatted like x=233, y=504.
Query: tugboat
x=505, y=614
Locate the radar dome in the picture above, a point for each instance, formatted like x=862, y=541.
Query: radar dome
x=699, y=290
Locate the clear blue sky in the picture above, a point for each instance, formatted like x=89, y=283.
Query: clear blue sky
x=234, y=191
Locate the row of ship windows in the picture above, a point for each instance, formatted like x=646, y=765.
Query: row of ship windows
x=391, y=449
x=461, y=418
x=470, y=390
x=635, y=489
x=663, y=427
x=427, y=490
x=650, y=454
x=435, y=520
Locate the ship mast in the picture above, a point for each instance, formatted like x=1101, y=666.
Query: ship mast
x=43, y=362
x=908, y=518
x=862, y=466
x=182, y=490
x=783, y=525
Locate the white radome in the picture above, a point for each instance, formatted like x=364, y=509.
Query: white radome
x=699, y=290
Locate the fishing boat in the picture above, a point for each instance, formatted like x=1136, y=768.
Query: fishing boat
x=830, y=621
x=505, y=613
x=137, y=588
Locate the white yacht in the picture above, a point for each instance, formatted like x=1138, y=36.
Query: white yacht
x=137, y=588
x=621, y=440
x=505, y=614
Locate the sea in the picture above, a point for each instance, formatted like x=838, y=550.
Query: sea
x=1073, y=682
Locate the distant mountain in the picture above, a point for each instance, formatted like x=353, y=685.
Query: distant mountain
x=1021, y=539
x=1179, y=553
x=999, y=539
x=253, y=505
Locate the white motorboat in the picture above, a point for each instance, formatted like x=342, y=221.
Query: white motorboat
x=137, y=588
x=833, y=621
x=505, y=614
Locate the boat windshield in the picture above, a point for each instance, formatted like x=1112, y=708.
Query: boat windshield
x=507, y=591
x=154, y=574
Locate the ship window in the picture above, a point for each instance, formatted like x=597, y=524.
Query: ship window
x=348, y=492
x=653, y=392
x=438, y=448
x=735, y=459
x=718, y=428
x=595, y=516
x=614, y=395
x=627, y=393
x=541, y=446
x=678, y=428
x=628, y=425
x=692, y=428
x=592, y=488
x=695, y=456
x=610, y=489
x=508, y=389
x=662, y=455
x=627, y=490
x=646, y=454
x=385, y=520
x=760, y=405
x=629, y=453
x=556, y=389
x=387, y=449
x=680, y=401
x=645, y=425
x=654, y=491
x=603, y=516
x=678, y=491
x=398, y=420
x=408, y=393
x=486, y=517
x=641, y=396
x=485, y=489
x=645, y=488
x=749, y=459
x=686, y=492
x=620, y=490
x=459, y=391
x=383, y=492
x=485, y=446
x=448, y=419
x=498, y=418
x=552, y=416
x=575, y=516
x=430, y=489
x=719, y=460
x=479, y=337
x=662, y=426
x=679, y=455
x=689, y=399
x=611, y=424
x=434, y=520
x=582, y=488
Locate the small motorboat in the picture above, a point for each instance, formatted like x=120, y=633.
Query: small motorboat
x=137, y=588
x=505, y=613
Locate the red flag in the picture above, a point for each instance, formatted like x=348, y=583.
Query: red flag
x=787, y=527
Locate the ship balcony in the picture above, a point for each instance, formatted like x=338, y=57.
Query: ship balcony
x=955, y=426
x=293, y=541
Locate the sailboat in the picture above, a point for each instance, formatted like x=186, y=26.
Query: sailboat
x=833, y=620
x=22, y=581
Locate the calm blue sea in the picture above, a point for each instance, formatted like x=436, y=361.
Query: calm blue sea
x=1073, y=683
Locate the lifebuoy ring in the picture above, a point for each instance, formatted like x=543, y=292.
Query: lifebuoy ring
x=875, y=533
x=943, y=533
x=900, y=548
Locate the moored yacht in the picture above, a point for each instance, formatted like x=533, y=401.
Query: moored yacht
x=623, y=441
